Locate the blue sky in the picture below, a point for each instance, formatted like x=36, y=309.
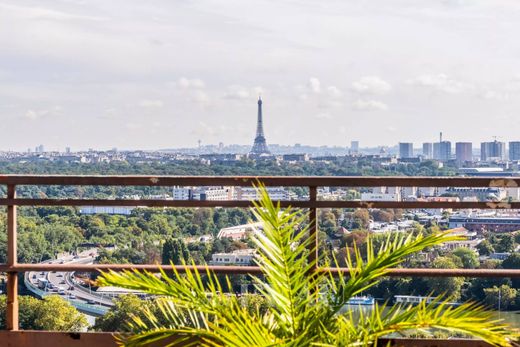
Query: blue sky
x=163, y=74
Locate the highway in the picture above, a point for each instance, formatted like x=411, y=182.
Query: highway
x=65, y=285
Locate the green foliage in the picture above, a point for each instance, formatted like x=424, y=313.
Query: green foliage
x=503, y=243
x=51, y=313
x=485, y=248
x=303, y=309
x=445, y=285
x=175, y=252
x=125, y=308
x=502, y=297
x=513, y=262
x=467, y=256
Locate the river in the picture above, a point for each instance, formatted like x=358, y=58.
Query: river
x=511, y=317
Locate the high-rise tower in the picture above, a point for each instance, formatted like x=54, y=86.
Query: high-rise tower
x=260, y=145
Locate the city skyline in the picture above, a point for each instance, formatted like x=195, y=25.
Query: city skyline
x=165, y=75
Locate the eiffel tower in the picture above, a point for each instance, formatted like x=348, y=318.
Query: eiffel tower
x=260, y=145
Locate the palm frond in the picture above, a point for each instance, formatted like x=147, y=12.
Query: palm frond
x=193, y=308
x=363, y=273
x=283, y=245
x=468, y=318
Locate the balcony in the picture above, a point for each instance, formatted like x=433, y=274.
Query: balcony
x=15, y=337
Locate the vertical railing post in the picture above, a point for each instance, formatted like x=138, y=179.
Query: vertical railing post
x=12, y=276
x=313, y=230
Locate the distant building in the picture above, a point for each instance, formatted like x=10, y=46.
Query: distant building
x=514, y=150
x=250, y=193
x=260, y=145
x=481, y=193
x=242, y=257
x=238, y=232
x=427, y=150
x=380, y=197
x=354, y=146
x=405, y=150
x=444, y=150
x=481, y=224
x=486, y=171
x=463, y=152
x=492, y=151
x=470, y=240
x=295, y=157
x=202, y=193
x=114, y=210
x=499, y=255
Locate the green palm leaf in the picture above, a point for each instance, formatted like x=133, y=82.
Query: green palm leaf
x=305, y=306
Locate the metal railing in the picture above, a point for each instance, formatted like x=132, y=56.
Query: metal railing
x=12, y=267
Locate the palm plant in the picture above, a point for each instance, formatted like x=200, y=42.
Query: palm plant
x=306, y=307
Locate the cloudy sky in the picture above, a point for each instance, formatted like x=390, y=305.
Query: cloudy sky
x=163, y=74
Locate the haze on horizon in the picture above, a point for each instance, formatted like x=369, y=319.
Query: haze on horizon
x=164, y=74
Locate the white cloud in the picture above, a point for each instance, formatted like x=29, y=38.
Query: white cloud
x=369, y=105
x=32, y=114
x=314, y=85
x=334, y=91
x=199, y=97
x=133, y=126
x=324, y=115
x=148, y=103
x=441, y=82
x=495, y=95
x=193, y=83
x=38, y=114
x=371, y=85
x=237, y=93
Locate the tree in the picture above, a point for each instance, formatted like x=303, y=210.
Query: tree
x=175, y=251
x=485, y=248
x=203, y=310
x=117, y=318
x=360, y=219
x=502, y=297
x=328, y=222
x=468, y=257
x=51, y=313
x=513, y=262
x=445, y=285
x=505, y=244
x=382, y=215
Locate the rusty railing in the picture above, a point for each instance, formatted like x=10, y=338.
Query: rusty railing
x=13, y=268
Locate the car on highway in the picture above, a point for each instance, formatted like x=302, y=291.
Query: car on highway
x=61, y=291
x=91, y=302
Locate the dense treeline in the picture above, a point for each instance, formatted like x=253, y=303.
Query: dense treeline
x=52, y=313
x=361, y=167
x=44, y=232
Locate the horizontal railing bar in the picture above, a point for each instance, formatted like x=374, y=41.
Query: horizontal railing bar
x=288, y=181
x=249, y=203
x=398, y=272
